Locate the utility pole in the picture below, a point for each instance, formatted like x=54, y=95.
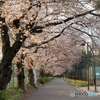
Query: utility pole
x=94, y=73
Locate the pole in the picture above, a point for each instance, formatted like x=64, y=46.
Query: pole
x=88, y=68
x=88, y=76
x=94, y=74
x=94, y=71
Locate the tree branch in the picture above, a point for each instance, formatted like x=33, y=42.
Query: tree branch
x=98, y=15
x=59, y=22
x=18, y=43
x=4, y=36
x=91, y=36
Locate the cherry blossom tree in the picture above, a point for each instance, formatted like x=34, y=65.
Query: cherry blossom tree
x=20, y=18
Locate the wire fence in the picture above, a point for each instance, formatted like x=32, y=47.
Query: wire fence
x=13, y=81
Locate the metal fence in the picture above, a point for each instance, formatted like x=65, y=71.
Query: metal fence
x=13, y=81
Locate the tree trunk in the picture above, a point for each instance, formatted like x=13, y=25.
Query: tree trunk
x=5, y=74
x=31, y=77
x=8, y=54
x=20, y=76
x=5, y=65
x=5, y=69
x=42, y=74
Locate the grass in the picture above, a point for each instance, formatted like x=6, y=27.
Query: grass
x=77, y=83
x=11, y=94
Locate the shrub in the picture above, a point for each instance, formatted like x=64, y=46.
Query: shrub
x=43, y=80
x=3, y=95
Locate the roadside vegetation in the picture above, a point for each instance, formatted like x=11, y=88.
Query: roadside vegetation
x=17, y=94
x=77, y=83
x=11, y=94
x=43, y=80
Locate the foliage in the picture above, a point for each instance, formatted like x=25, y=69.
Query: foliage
x=97, y=60
x=78, y=83
x=97, y=3
x=3, y=95
x=13, y=94
x=85, y=59
x=43, y=80
x=10, y=94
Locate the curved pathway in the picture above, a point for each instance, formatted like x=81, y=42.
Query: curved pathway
x=57, y=89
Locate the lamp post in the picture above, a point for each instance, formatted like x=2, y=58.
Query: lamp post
x=88, y=66
x=95, y=78
x=94, y=71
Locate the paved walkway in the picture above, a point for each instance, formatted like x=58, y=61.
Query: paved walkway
x=91, y=89
x=57, y=89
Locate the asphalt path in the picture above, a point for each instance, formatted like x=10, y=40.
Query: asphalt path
x=58, y=89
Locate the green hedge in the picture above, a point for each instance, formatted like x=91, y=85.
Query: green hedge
x=78, y=83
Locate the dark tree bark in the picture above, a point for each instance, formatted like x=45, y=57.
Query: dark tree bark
x=8, y=54
x=20, y=76
x=20, y=72
x=42, y=74
x=5, y=68
x=31, y=77
x=5, y=65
